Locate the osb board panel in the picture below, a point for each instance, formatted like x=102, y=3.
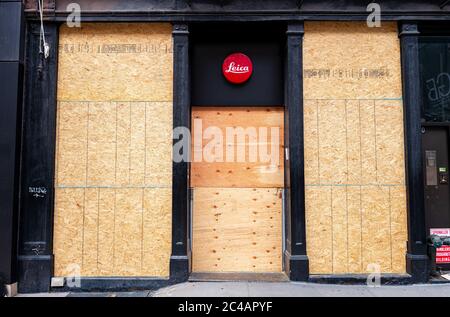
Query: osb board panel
x=354, y=148
x=114, y=150
x=237, y=230
x=113, y=232
x=227, y=168
x=114, y=144
x=348, y=60
x=350, y=227
x=115, y=61
x=354, y=142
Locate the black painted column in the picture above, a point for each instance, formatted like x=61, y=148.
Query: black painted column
x=38, y=163
x=416, y=257
x=296, y=260
x=180, y=259
x=11, y=82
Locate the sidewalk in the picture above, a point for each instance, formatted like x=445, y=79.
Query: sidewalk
x=285, y=289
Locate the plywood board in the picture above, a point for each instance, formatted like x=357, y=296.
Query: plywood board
x=237, y=230
x=319, y=233
x=71, y=158
x=114, y=150
x=113, y=232
x=354, y=148
x=348, y=60
x=230, y=170
x=68, y=230
x=115, y=61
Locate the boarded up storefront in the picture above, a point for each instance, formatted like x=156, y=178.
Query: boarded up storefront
x=354, y=152
x=114, y=148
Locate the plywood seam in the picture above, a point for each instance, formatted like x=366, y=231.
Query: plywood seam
x=87, y=143
x=98, y=223
x=360, y=231
x=318, y=142
x=356, y=99
x=375, y=137
x=332, y=230
x=390, y=228
x=354, y=185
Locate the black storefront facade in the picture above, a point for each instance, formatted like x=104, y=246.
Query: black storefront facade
x=29, y=106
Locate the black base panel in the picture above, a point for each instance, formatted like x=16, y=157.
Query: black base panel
x=115, y=284
x=296, y=267
x=179, y=268
x=418, y=266
x=35, y=273
x=360, y=279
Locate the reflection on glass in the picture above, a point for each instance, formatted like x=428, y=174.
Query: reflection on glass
x=434, y=55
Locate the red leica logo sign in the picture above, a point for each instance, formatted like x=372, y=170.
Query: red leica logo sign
x=237, y=68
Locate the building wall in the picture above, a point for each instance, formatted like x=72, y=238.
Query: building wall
x=354, y=148
x=114, y=150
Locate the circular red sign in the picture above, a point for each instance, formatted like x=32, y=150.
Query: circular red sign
x=237, y=68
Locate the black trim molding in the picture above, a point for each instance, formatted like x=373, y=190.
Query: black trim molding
x=180, y=260
x=38, y=161
x=417, y=262
x=295, y=258
x=237, y=10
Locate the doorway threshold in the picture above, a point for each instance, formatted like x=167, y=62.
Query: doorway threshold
x=238, y=277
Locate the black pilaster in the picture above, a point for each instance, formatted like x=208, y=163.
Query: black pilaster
x=417, y=263
x=11, y=79
x=38, y=161
x=180, y=258
x=296, y=260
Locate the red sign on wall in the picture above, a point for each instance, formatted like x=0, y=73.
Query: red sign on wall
x=442, y=253
x=237, y=68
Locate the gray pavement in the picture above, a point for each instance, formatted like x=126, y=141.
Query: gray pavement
x=261, y=289
x=292, y=289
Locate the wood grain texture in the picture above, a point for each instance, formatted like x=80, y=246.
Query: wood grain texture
x=237, y=230
x=354, y=148
x=118, y=61
x=246, y=171
x=348, y=60
x=114, y=150
x=237, y=204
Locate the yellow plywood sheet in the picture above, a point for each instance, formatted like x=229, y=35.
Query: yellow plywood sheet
x=369, y=174
x=340, y=229
x=332, y=144
x=319, y=229
x=376, y=240
x=310, y=114
x=354, y=148
x=354, y=141
x=101, y=144
x=348, y=60
x=355, y=244
x=389, y=138
x=114, y=148
x=71, y=143
x=120, y=61
x=68, y=230
x=227, y=168
x=106, y=216
x=237, y=230
x=397, y=228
